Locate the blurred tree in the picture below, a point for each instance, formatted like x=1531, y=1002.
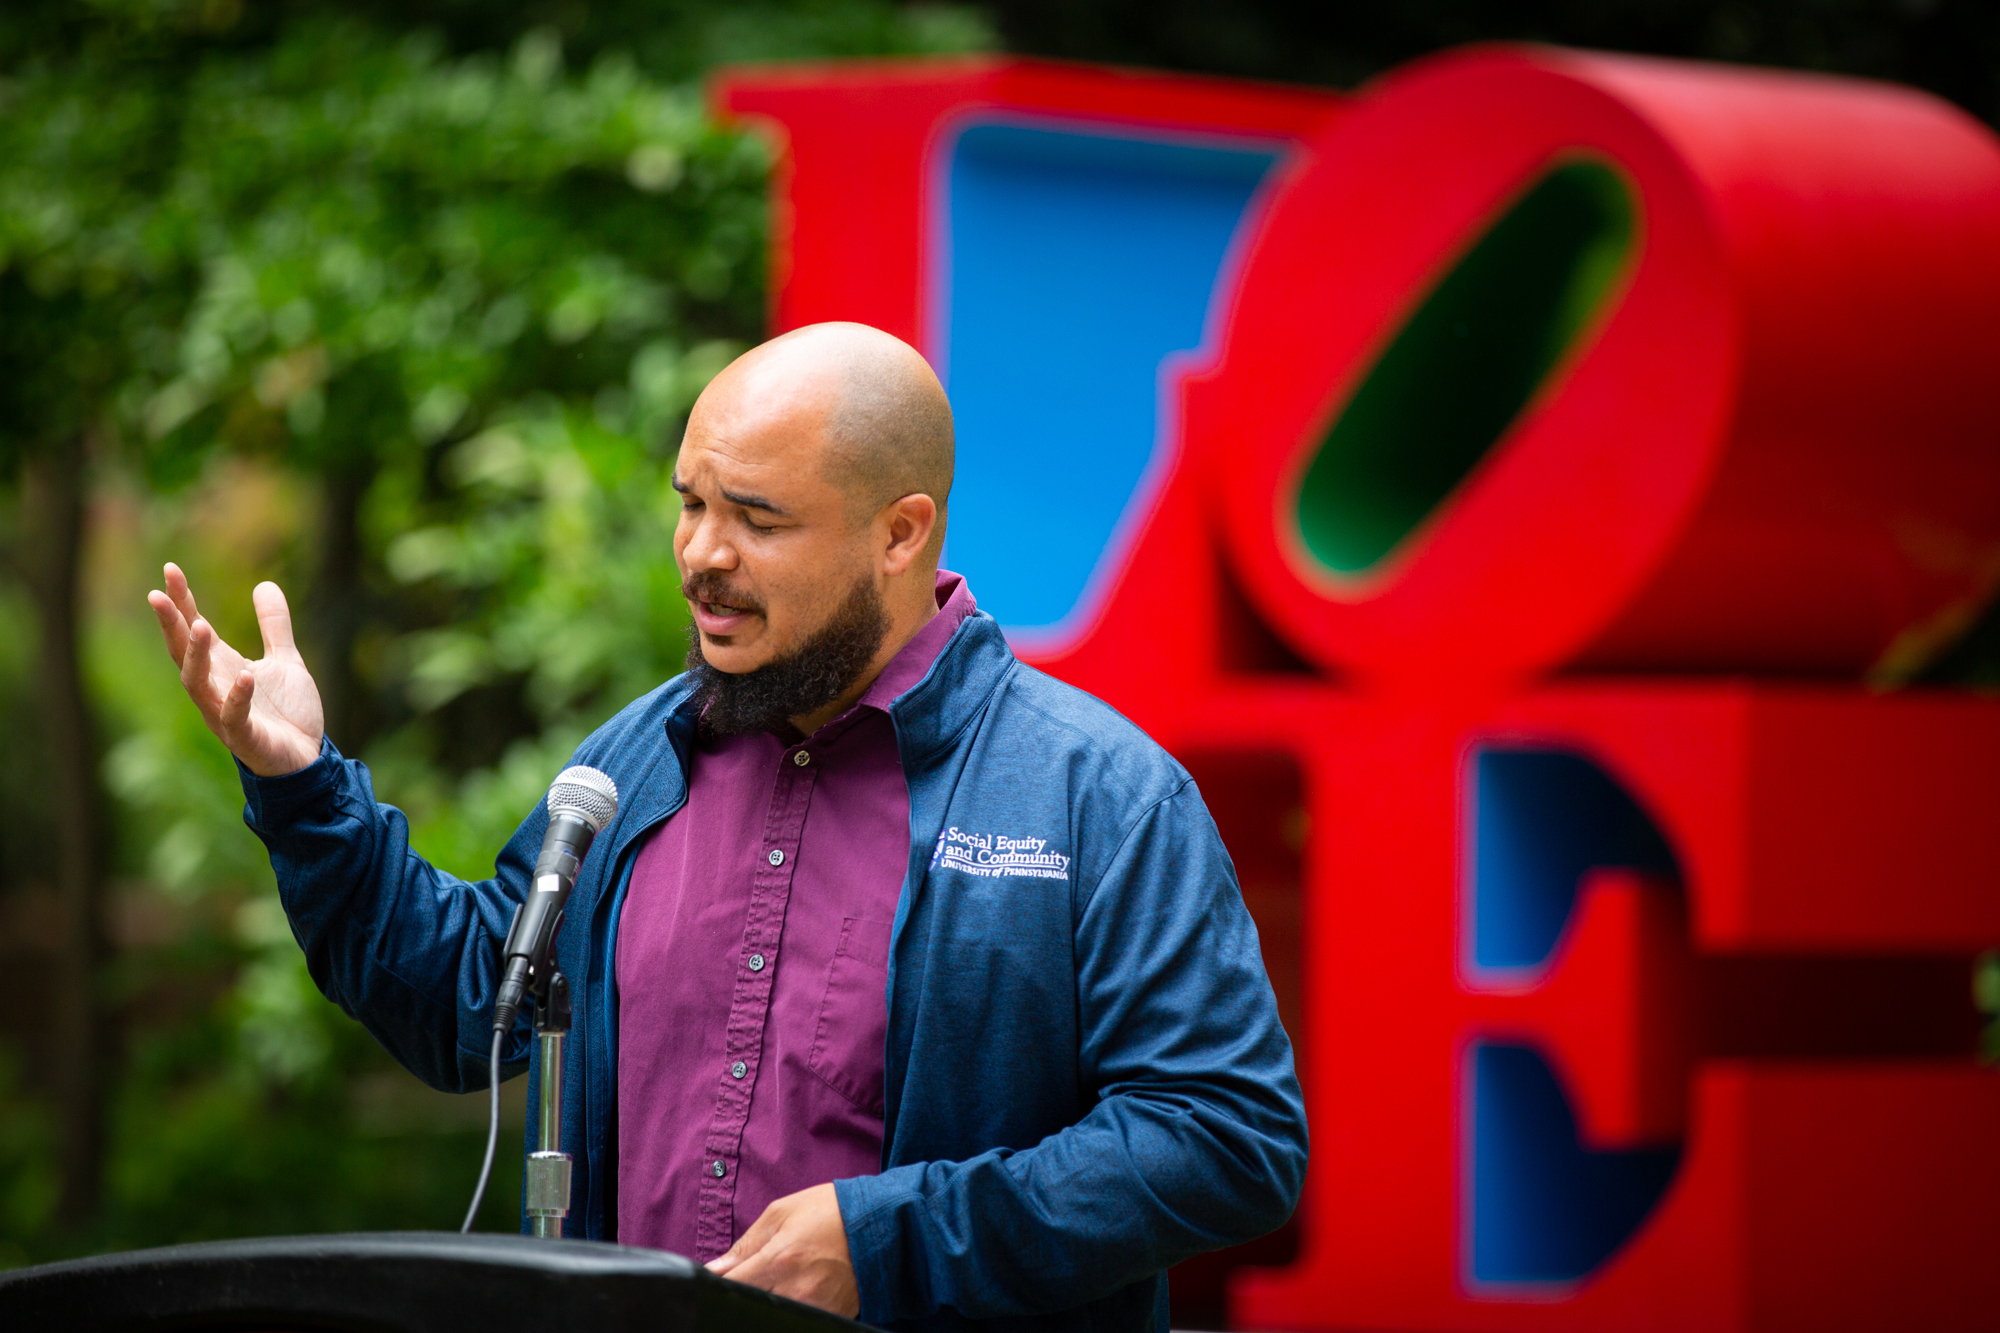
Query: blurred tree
x=86, y=276
x=443, y=280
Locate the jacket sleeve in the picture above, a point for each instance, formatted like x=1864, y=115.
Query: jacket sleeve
x=406, y=949
x=1196, y=1140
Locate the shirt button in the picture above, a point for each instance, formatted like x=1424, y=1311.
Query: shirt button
x=801, y=758
x=756, y=962
x=738, y=1070
x=777, y=858
x=717, y=1169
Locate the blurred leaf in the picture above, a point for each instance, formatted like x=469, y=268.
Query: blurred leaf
x=409, y=319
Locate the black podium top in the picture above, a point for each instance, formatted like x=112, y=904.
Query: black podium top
x=394, y=1282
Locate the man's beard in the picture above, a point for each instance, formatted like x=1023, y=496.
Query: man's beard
x=804, y=681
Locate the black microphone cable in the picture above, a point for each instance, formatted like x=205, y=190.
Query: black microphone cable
x=492, y=1132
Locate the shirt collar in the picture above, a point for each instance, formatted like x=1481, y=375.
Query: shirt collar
x=909, y=665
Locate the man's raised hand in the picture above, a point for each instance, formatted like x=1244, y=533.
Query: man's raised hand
x=267, y=711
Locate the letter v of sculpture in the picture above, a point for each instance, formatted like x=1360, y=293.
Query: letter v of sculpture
x=1585, y=432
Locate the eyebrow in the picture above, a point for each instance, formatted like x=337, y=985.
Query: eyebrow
x=735, y=497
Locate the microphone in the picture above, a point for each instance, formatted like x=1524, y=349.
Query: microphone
x=581, y=802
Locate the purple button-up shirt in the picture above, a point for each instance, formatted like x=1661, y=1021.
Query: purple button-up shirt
x=753, y=955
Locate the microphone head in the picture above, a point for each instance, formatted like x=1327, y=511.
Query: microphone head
x=585, y=793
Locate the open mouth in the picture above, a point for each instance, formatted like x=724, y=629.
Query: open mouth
x=719, y=619
x=719, y=610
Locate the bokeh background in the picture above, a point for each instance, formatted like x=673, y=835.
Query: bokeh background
x=403, y=305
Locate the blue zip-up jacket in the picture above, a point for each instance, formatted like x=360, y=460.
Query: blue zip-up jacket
x=1086, y=1080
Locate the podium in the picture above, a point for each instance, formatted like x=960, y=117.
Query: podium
x=395, y=1282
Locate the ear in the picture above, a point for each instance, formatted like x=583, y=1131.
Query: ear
x=903, y=530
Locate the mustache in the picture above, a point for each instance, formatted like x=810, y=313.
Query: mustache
x=710, y=586
x=766, y=698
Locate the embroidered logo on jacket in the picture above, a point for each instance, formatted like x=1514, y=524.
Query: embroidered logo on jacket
x=998, y=856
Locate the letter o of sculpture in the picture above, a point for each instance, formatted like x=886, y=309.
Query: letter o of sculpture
x=1549, y=360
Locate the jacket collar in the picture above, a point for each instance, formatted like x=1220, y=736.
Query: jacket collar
x=646, y=800
x=930, y=714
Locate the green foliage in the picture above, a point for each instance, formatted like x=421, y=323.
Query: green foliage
x=431, y=239
x=558, y=550
x=405, y=307
x=27, y=1166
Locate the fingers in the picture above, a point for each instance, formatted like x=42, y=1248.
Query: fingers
x=180, y=593
x=750, y=1242
x=172, y=627
x=274, y=619
x=755, y=1270
x=760, y=1258
x=195, y=665
x=176, y=612
x=738, y=1254
x=235, y=713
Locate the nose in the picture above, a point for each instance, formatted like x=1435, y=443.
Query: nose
x=701, y=544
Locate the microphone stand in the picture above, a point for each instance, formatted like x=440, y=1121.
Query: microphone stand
x=548, y=1166
x=581, y=801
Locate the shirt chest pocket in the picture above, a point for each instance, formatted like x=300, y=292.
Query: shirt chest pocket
x=854, y=1015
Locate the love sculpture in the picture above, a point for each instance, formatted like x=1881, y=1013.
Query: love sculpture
x=1514, y=492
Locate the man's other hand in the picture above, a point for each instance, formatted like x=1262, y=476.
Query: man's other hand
x=798, y=1248
x=267, y=712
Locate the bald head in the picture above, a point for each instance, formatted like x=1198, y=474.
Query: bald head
x=884, y=419
x=813, y=477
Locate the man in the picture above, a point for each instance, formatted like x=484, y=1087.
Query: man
x=907, y=981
